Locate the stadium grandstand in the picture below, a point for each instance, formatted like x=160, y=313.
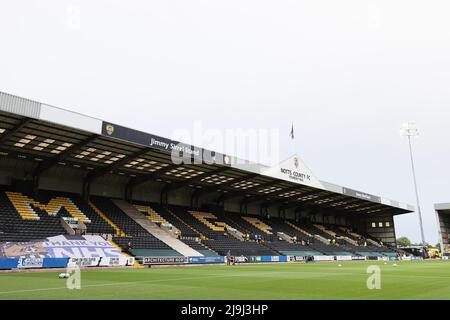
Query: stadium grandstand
x=443, y=222
x=68, y=178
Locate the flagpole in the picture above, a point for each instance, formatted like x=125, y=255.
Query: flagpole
x=292, y=136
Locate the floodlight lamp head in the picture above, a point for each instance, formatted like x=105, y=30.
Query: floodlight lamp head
x=409, y=129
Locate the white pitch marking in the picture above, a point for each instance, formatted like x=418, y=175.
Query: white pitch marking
x=158, y=280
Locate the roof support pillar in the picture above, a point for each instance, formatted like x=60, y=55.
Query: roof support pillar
x=86, y=192
x=243, y=206
x=298, y=214
x=164, y=195
x=195, y=199
x=264, y=210
x=35, y=185
x=128, y=193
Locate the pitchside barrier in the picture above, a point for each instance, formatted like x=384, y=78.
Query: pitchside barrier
x=210, y=260
x=48, y=263
x=55, y=262
x=296, y=258
x=102, y=262
x=203, y=260
x=383, y=258
x=164, y=260
x=324, y=258
x=359, y=258
x=344, y=258
x=181, y=260
x=259, y=259
x=9, y=263
x=411, y=258
x=43, y=263
x=32, y=263
x=246, y=259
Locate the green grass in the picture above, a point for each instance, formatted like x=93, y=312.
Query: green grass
x=409, y=280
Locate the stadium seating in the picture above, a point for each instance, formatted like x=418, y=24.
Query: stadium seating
x=195, y=224
x=239, y=248
x=213, y=227
x=234, y=221
x=16, y=227
x=97, y=224
x=292, y=229
x=253, y=225
x=113, y=213
x=200, y=247
x=142, y=242
x=292, y=249
x=46, y=208
x=185, y=229
x=24, y=217
x=145, y=246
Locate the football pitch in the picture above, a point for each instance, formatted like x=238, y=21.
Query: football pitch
x=316, y=281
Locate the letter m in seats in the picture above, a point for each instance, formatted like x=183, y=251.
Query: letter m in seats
x=23, y=205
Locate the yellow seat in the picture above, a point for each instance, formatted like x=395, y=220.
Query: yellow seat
x=258, y=224
x=23, y=206
x=204, y=216
x=151, y=214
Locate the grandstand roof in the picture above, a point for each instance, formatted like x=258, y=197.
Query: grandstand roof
x=53, y=136
x=442, y=206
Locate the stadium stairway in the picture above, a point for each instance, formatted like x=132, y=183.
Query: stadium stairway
x=234, y=224
x=116, y=229
x=338, y=233
x=297, y=228
x=200, y=247
x=250, y=224
x=154, y=230
x=236, y=233
x=373, y=242
x=185, y=229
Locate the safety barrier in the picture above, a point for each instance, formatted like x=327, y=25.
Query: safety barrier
x=48, y=263
x=55, y=262
x=203, y=260
x=274, y=259
x=323, y=258
x=344, y=258
x=164, y=260
x=9, y=263
x=30, y=263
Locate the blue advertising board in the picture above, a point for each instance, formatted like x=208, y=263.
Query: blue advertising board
x=8, y=264
x=30, y=262
x=201, y=260
x=55, y=262
x=274, y=259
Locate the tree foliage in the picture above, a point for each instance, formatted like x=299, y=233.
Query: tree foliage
x=403, y=242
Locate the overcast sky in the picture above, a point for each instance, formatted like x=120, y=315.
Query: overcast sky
x=347, y=73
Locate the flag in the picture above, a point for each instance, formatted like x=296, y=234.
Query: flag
x=292, y=132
